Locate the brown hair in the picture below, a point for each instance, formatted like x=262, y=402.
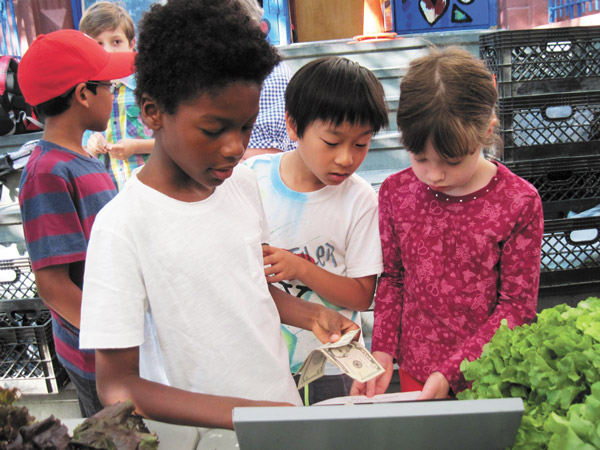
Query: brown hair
x=448, y=96
x=103, y=16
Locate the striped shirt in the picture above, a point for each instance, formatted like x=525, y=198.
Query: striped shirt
x=125, y=123
x=60, y=194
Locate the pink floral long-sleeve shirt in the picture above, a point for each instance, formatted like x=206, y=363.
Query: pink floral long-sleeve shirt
x=453, y=268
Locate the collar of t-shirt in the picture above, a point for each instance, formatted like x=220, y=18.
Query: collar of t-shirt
x=127, y=81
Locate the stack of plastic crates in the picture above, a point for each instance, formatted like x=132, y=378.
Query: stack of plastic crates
x=28, y=358
x=549, y=111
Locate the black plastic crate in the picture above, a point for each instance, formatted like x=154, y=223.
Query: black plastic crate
x=570, y=252
x=17, y=280
x=28, y=358
x=560, y=181
x=550, y=126
x=543, y=61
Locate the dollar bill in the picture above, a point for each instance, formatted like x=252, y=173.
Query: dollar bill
x=350, y=356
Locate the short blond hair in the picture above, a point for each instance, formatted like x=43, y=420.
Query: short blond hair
x=103, y=16
x=253, y=9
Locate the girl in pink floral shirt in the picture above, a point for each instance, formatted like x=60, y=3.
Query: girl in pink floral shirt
x=461, y=235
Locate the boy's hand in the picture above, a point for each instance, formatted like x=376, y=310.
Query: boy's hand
x=282, y=264
x=377, y=385
x=436, y=386
x=123, y=149
x=330, y=325
x=96, y=145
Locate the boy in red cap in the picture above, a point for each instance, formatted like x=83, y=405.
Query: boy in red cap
x=66, y=76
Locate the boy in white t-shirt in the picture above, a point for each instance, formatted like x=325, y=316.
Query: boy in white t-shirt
x=175, y=300
x=324, y=245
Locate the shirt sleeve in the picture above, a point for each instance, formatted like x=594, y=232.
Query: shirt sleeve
x=114, y=295
x=390, y=289
x=52, y=227
x=517, y=290
x=270, y=131
x=363, y=253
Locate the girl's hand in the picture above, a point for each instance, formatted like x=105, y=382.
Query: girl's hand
x=96, y=145
x=379, y=384
x=123, y=149
x=436, y=386
x=282, y=264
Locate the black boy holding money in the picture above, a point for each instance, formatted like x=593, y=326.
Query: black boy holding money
x=175, y=301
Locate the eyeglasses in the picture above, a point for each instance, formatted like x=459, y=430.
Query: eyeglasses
x=111, y=86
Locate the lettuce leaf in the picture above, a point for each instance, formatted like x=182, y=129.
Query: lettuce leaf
x=553, y=364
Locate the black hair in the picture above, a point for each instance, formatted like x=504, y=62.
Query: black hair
x=336, y=90
x=190, y=47
x=55, y=106
x=58, y=105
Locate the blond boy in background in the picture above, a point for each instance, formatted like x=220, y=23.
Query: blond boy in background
x=127, y=143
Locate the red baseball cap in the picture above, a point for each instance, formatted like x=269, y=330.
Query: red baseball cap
x=57, y=61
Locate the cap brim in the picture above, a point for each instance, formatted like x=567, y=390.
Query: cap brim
x=119, y=65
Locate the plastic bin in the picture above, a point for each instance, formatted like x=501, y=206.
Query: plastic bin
x=570, y=252
x=17, y=280
x=28, y=358
x=550, y=126
x=543, y=61
x=564, y=184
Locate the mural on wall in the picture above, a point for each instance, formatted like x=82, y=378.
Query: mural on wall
x=436, y=15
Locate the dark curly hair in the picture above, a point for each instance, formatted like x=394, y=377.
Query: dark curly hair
x=189, y=47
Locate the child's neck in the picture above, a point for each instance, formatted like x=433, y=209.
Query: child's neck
x=162, y=175
x=60, y=130
x=484, y=173
x=296, y=176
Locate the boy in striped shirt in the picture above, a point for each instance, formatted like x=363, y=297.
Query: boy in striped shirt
x=67, y=76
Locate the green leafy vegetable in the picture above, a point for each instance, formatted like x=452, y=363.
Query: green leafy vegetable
x=554, y=366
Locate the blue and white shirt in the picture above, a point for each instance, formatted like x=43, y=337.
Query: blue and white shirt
x=335, y=227
x=269, y=130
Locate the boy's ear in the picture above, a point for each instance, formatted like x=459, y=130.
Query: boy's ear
x=291, y=127
x=80, y=95
x=132, y=44
x=151, y=113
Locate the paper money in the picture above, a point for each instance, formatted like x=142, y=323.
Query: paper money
x=350, y=356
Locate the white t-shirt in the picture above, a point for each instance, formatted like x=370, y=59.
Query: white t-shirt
x=335, y=227
x=185, y=281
